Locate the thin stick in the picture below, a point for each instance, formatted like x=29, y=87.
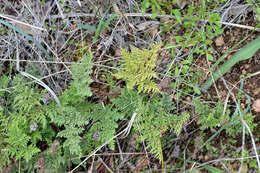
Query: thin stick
x=61, y=13
x=79, y=3
x=43, y=85
x=158, y=16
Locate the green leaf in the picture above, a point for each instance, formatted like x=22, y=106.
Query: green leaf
x=177, y=14
x=210, y=57
x=154, y=15
x=88, y=27
x=196, y=90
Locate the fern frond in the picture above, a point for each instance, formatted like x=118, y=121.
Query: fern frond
x=79, y=86
x=127, y=102
x=210, y=117
x=17, y=139
x=138, y=68
x=68, y=115
x=154, y=119
x=104, y=126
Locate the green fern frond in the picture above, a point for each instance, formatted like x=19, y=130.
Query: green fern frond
x=79, y=86
x=138, y=68
x=18, y=138
x=104, y=126
x=3, y=85
x=154, y=118
x=73, y=140
x=69, y=115
x=210, y=117
x=127, y=102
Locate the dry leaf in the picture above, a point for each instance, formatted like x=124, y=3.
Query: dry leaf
x=164, y=84
x=256, y=105
x=153, y=32
x=117, y=52
x=219, y=41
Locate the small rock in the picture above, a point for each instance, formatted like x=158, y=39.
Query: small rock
x=188, y=99
x=256, y=105
x=219, y=41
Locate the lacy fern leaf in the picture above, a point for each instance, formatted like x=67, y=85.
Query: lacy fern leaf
x=138, y=68
x=154, y=119
x=210, y=117
x=104, y=126
x=79, y=86
x=69, y=115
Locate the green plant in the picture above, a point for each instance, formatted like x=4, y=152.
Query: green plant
x=138, y=68
x=153, y=117
x=196, y=37
x=22, y=119
x=236, y=128
x=25, y=120
x=105, y=122
x=208, y=117
x=186, y=20
x=186, y=80
x=216, y=117
x=245, y=53
x=102, y=25
x=155, y=5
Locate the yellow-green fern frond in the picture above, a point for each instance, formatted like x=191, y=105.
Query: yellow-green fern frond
x=138, y=68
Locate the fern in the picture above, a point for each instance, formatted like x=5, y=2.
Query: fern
x=79, y=125
x=79, y=86
x=69, y=116
x=154, y=117
x=104, y=126
x=18, y=139
x=214, y=117
x=127, y=102
x=24, y=119
x=138, y=68
x=210, y=117
x=23, y=108
x=237, y=127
